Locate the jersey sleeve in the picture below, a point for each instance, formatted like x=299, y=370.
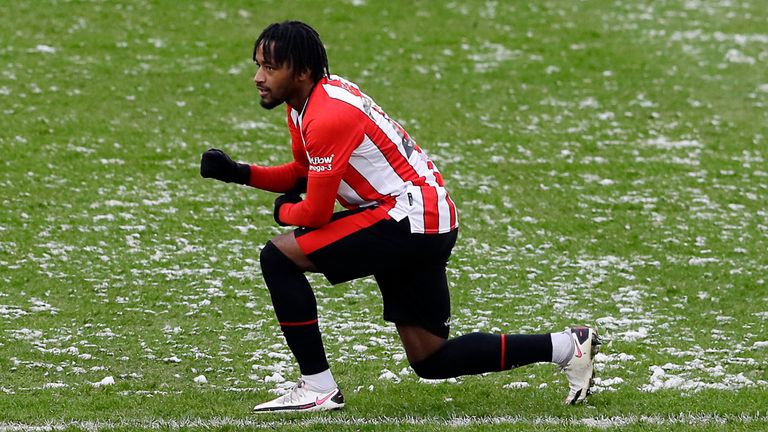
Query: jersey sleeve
x=280, y=178
x=330, y=139
x=316, y=210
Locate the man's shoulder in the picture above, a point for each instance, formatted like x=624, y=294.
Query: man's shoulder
x=337, y=88
x=340, y=82
x=333, y=96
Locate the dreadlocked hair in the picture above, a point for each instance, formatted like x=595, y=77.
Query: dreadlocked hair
x=295, y=44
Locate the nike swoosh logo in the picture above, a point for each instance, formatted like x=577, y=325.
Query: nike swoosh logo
x=319, y=401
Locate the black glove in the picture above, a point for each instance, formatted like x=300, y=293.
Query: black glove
x=289, y=197
x=217, y=165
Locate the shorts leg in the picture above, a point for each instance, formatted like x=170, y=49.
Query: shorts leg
x=409, y=268
x=354, y=244
x=417, y=296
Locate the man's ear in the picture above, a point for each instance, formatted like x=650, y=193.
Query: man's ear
x=305, y=75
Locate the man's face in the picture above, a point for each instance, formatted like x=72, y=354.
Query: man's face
x=276, y=83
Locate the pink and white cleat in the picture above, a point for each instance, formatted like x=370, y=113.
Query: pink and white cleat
x=580, y=370
x=301, y=399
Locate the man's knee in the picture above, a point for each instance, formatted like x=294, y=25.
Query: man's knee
x=291, y=294
x=286, y=244
x=430, y=367
x=274, y=261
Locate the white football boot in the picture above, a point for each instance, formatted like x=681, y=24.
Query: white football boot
x=580, y=370
x=302, y=399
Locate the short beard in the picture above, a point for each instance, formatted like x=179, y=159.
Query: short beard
x=270, y=105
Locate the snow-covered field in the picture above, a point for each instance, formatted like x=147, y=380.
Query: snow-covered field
x=608, y=161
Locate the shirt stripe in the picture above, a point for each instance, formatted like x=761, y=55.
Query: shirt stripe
x=342, y=130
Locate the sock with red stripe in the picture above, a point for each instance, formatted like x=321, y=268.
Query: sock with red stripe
x=477, y=353
x=295, y=307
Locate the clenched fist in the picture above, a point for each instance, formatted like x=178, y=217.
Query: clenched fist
x=218, y=165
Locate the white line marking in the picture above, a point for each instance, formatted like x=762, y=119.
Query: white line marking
x=335, y=420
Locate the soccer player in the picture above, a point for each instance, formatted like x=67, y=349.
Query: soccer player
x=399, y=226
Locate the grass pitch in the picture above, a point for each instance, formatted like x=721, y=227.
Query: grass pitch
x=607, y=159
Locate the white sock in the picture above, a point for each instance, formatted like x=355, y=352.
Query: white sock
x=562, y=347
x=320, y=382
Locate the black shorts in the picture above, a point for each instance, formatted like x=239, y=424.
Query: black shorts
x=409, y=268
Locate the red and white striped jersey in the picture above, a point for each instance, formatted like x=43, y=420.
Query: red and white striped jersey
x=343, y=132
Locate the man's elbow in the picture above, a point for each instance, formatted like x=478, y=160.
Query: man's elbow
x=318, y=219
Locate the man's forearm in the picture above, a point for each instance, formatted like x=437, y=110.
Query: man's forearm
x=280, y=178
x=317, y=208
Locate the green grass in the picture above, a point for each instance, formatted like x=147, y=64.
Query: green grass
x=607, y=158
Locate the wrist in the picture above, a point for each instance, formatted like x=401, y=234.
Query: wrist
x=280, y=203
x=276, y=213
x=242, y=174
